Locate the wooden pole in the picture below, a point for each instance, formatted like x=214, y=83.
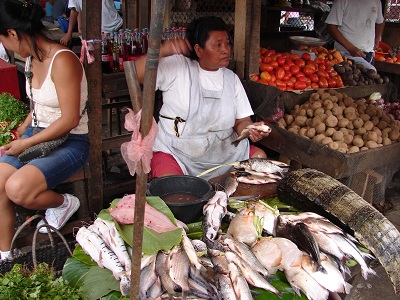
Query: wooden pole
x=150, y=75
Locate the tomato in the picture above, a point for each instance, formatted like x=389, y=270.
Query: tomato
x=294, y=56
x=280, y=84
x=263, y=81
x=286, y=67
x=266, y=59
x=280, y=73
x=281, y=60
x=313, y=77
x=294, y=69
x=269, y=52
x=308, y=71
x=273, y=78
x=302, y=78
x=274, y=64
x=300, y=85
x=331, y=83
x=255, y=77
x=320, y=60
x=314, y=85
x=272, y=83
x=289, y=83
x=300, y=62
x=306, y=56
x=266, y=67
x=323, y=82
x=293, y=79
x=299, y=74
x=322, y=73
x=289, y=62
x=265, y=75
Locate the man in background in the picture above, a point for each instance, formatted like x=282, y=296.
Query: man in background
x=357, y=27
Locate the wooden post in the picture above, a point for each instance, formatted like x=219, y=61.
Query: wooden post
x=150, y=75
x=91, y=24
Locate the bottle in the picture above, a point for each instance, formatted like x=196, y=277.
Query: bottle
x=115, y=53
x=145, y=42
x=105, y=54
x=122, y=56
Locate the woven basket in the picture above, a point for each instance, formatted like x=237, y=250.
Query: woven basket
x=54, y=254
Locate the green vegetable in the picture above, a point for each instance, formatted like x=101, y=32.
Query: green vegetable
x=12, y=113
x=40, y=283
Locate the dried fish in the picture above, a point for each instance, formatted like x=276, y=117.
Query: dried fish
x=214, y=210
x=246, y=132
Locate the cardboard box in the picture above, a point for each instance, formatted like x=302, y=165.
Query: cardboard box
x=9, y=79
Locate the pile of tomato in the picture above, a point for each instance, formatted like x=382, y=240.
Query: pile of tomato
x=290, y=71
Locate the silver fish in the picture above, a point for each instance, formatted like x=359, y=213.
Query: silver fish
x=244, y=252
x=214, y=210
x=239, y=283
x=147, y=259
x=219, y=261
x=148, y=277
x=268, y=216
x=327, y=245
x=178, y=268
x=268, y=254
x=248, y=178
x=242, y=226
x=230, y=185
x=350, y=249
x=263, y=165
x=225, y=287
x=246, y=132
x=109, y=233
x=97, y=249
x=190, y=251
x=161, y=268
x=300, y=280
x=204, y=285
x=252, y=277
x=155, y=290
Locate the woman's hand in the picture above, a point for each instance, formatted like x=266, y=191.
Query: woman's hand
x=175, y=46
x=15, y=147
x=257, y=135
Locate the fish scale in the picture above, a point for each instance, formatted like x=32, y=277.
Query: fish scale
x=347, y=208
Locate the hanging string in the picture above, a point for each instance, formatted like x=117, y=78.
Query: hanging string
x=85, y=48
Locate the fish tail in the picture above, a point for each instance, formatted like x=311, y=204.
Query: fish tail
x=236, y=143
x=321, y=269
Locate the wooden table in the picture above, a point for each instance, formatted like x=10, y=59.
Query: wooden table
x=391, y=70
x=55, y=33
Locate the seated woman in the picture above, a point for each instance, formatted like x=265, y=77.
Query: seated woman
x=57, y=88
x=205, y=106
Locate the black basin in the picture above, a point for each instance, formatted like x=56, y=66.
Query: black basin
x=188, y=211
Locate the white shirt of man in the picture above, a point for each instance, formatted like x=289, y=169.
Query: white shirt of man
x=356, y=20
x=110, y=19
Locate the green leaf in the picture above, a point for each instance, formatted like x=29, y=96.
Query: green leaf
x=114, y=296
x=152, y=241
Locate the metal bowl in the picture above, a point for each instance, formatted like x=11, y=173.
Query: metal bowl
x=187, y=211
x=306, y=41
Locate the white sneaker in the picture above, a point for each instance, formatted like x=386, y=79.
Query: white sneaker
x=58, y=216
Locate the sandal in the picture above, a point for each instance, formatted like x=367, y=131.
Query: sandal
x=385, y=207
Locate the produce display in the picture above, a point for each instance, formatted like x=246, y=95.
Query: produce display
x=240, y=250
x=12, y=113
x=342, y=123
x=291, y=71
x=387, y=54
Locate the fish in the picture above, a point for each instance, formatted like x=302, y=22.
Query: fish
x=219, y=261
x=230, y=185
x=124, y=213
x=244, y=252
x=225, y=286
x=303, y=238
x=109, y=233
x=248, y=178
x=147, y=259
x=268, y=216
x=268, y=254
x=200, y=291
x=155, y=290
x=300, y=280
x=246, y=132
x=311, y=190
x=148, y=278
x=96, y=248
x=214, y=210
x=350, y=249
x=178, y=267
x=262, y=165
x=327, y=245
x=242, y=226
x=203, y=284
x=240, y=285
x=291, y=255
x=162, y=270
x=254, y=278
x=332, y=279
x=191, y=252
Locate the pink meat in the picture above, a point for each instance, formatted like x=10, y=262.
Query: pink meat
x=124, y=213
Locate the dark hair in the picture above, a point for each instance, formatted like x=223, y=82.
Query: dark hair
x=26, y=19
x=198, y=31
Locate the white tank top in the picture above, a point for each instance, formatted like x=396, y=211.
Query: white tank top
x=47, y=107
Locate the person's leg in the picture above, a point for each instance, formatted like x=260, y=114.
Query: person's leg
x=257, y=152
x=163, y=164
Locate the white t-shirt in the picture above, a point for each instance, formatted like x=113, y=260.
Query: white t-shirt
x=356, y=20
x=174, y=81
x=3, y=53
x=110, y=19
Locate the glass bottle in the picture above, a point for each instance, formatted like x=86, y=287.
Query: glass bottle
x=105, y=54
x=115, y=53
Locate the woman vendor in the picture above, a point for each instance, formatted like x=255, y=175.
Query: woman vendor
x=205, y=106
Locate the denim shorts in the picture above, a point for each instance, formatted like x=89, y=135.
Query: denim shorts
x=61, y=163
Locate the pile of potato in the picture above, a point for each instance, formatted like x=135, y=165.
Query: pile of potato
x=338, y=121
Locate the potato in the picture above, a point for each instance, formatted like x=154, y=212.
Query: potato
x=325, y=96
x=326, y=140
x=328, y=113
x=365, y=117
x=348, y=139
x=333, y=145
x=282, y=123
x=328, y=104
x=357, y=123
x=344, y=130
x=330, y=131
x=368, y=125
x=360, y=131
x=337, y=110
x=337, y=136
x=385, y=132
x=319, y=111
x=371, y=110
x=364, y=148
x=358, y=141
x=342, y=123
x=315, y=105
x=318, y=138
x=331, y=121
x=371, y=144
x=302, y=112
x=394, y=134
x=303, y=131
x=334, y=98
x=310, y=113
x=386, y=141
x=314, y=97
x=320, y=128
x=300, y=120
x=353, y=149
x=348, y=101
x=310, y=133
x=371, y=136
x=375, y=120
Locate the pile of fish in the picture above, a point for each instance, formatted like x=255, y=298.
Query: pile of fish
x=310, y=250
